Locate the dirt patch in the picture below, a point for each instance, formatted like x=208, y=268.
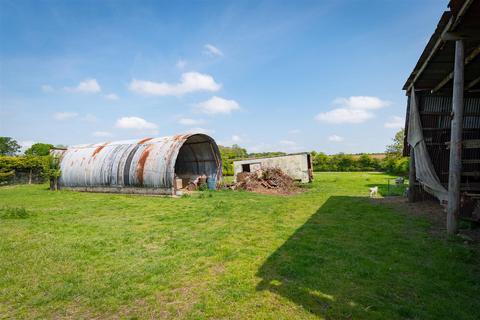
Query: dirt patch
x=434, y=212
x=266, y=181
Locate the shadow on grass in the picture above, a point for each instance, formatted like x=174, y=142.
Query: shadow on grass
x=353, y=259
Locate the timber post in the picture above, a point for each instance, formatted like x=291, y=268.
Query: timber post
x=455, y=165
x=412, y=178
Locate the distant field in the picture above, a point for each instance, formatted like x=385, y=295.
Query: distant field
x=327, y=253
x=378, y=156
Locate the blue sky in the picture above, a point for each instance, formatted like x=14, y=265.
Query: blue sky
x=273, y=75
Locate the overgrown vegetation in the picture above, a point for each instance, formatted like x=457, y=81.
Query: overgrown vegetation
x=29, y=165
x=327, y=253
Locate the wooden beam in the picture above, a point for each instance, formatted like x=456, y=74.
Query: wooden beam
x=455, y=165
x=467, y=144
x=412, y=178
x=461, y=13
x=472, y=83
x=431, y=54
x=475, y=52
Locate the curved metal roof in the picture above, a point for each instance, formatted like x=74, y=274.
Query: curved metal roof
x=148, y=162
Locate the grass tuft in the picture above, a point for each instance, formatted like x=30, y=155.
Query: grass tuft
x=14, y=213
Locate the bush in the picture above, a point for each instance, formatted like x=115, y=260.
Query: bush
x=30, y=166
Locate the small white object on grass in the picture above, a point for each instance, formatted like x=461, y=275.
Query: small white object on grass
x=373, y=191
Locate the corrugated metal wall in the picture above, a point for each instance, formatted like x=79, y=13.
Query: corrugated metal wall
x=146, y=163
x=435, y=114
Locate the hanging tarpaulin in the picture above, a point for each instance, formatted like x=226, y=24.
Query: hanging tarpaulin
x=425, y=171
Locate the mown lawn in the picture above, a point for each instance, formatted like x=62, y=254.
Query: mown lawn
x=327, y=253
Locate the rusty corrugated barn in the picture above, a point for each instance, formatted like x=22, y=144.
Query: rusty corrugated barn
x=443, y=114
x=147, y=166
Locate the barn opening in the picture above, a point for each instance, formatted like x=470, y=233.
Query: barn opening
x=246, y=167
x=198, y=156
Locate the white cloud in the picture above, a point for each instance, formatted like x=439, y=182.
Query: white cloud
x=236, y=138
x=361, y=102
x=46, y=88
x=294, y=131
x=287, y=142
x=86, y=86
x=111, y=96
x=90, y=118
x=211, y=50
x=217, y=105
x=181, y=64
x=335, y=138
x=395, y=122
x=135, y=123
x=190, y=82
x=200, y=130
x=344, y=115
x=190, y=122
x=355, y=109
x=102, y=134
x=61, y=116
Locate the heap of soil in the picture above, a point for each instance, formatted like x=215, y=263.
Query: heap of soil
x=270, y=181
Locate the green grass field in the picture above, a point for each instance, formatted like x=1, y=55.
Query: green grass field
x=327, y=253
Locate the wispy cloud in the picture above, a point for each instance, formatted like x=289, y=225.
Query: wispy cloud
x=89, y=118
x=111, y=96
x=211, y=50
x=86, y=86
x=102, y=134
x=135, y=123
x=236, y=138
x=288, y=142
x=61, y=116
x=46, y=88
x=217, y=105
x=201, y=130
x=395, y=123
x=335, y=138
x=181, y=64
x=344, y=115
x=190, y=121
x=294, y=131
x=361, y=102
x=355, y=109
x=190, y=82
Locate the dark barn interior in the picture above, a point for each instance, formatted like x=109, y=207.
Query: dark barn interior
x=445, y=84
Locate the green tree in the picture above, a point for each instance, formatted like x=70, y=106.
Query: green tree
x=321, y=162
x=39, y=149
x=396, y=148
x=394, y=162
x=8, y=146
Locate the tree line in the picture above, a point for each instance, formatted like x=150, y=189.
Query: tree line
x=392, y=162
x=36, y=159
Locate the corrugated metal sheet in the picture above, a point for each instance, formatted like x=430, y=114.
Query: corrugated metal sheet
x=436, y=121
x=146, y=163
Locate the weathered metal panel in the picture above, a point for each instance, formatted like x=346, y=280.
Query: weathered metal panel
x=147, y=163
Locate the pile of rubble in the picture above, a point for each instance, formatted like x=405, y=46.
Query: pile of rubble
x=270, y=180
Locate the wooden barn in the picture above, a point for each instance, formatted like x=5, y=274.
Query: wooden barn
x=443, y=115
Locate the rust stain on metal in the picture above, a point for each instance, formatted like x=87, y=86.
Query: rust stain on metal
x=98, y=149
x=144, y=140
x=141, y=164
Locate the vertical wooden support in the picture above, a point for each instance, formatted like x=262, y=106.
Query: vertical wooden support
x=455, y=166
x=412, y=178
